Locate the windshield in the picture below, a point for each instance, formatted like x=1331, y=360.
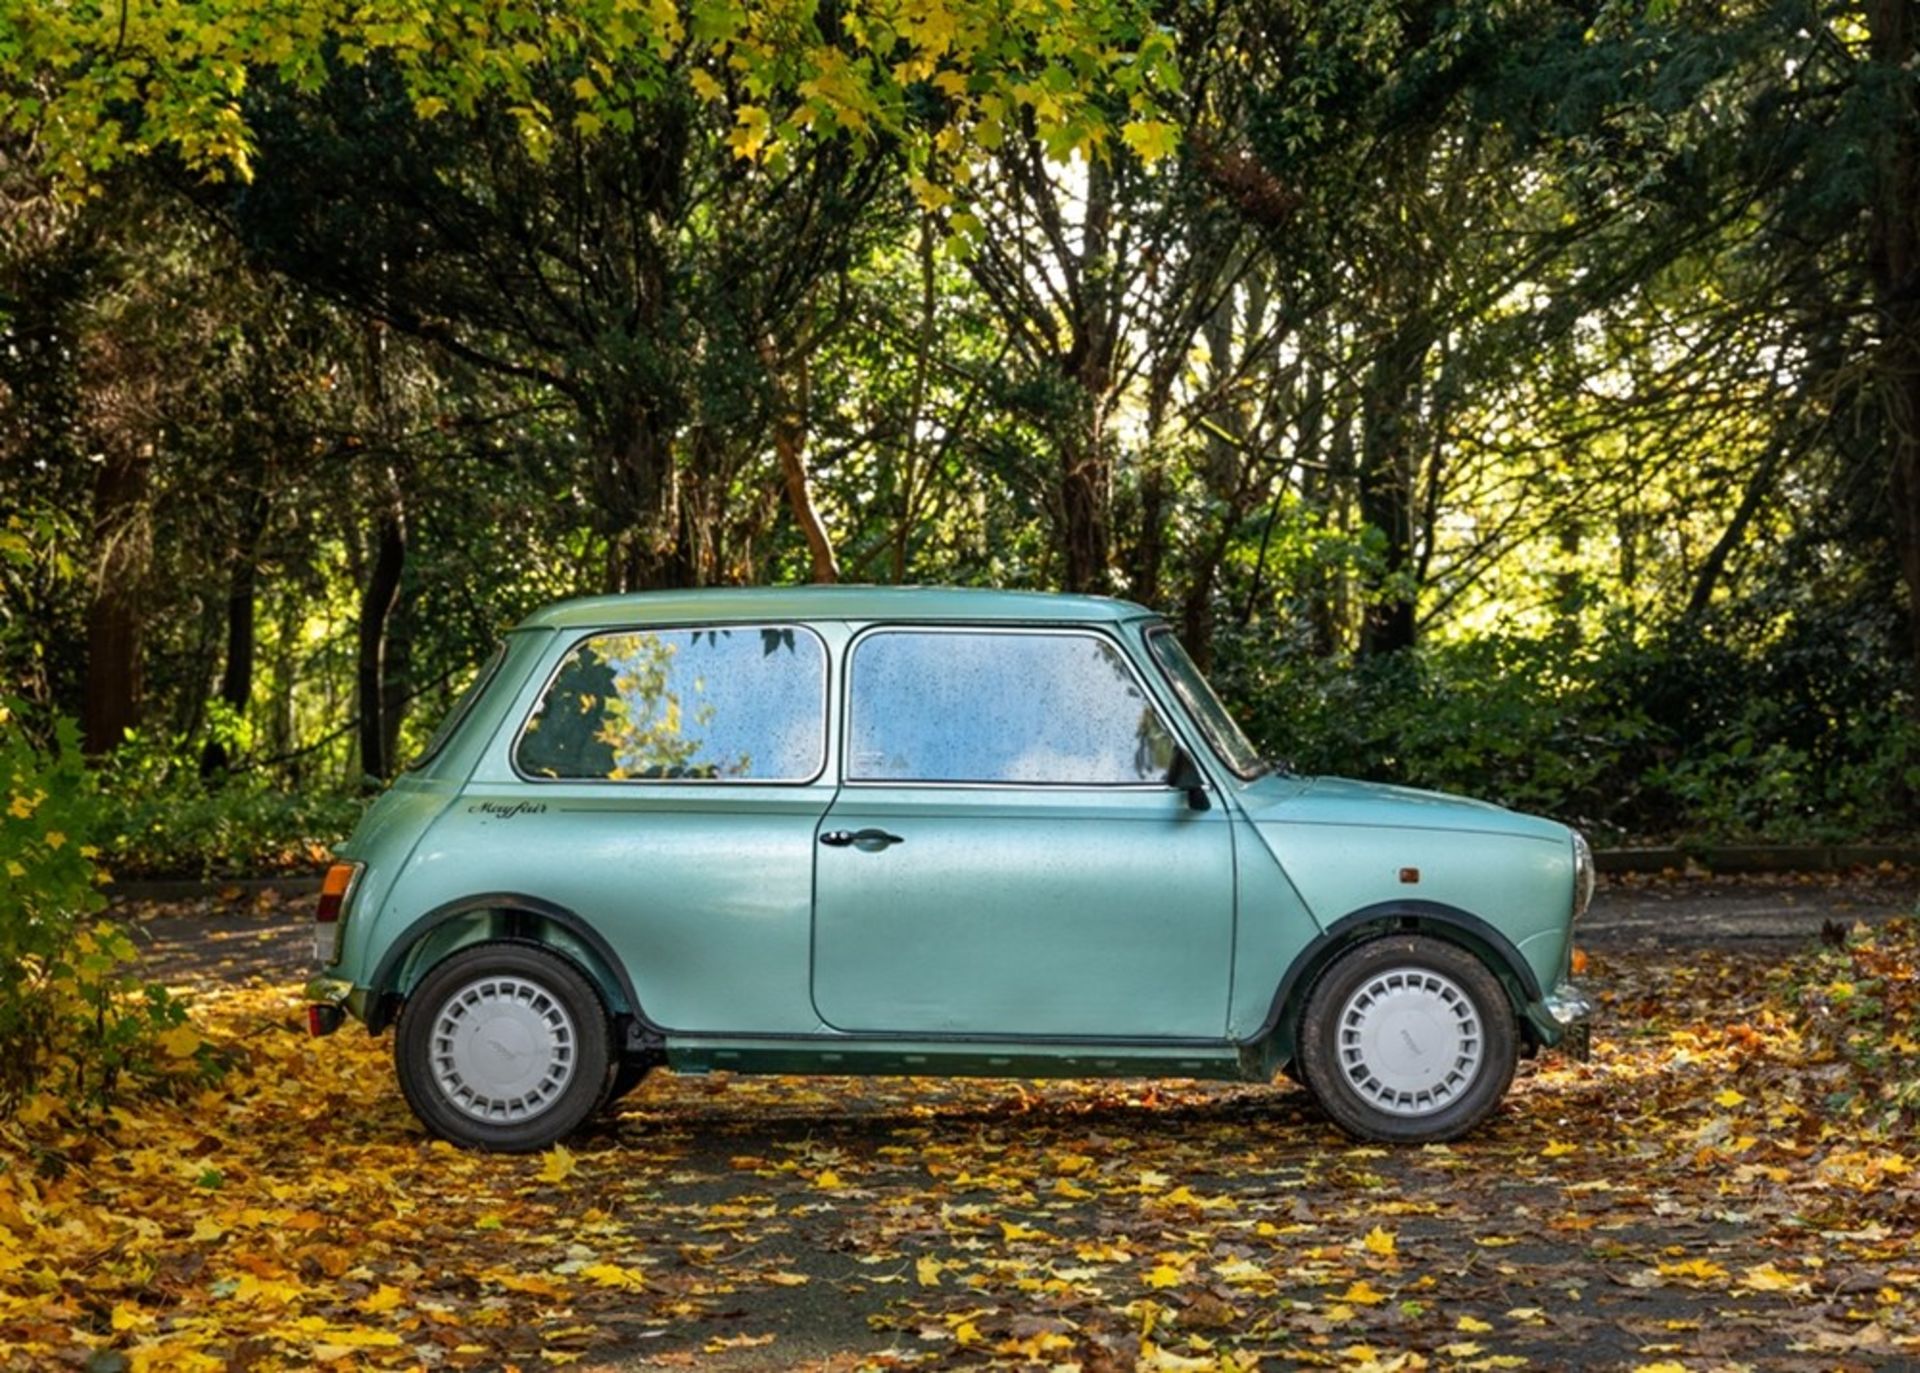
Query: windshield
x=460, y=708
x=1228, y=742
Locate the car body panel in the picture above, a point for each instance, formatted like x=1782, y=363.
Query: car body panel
x=1059, y=913
x=1093, y=930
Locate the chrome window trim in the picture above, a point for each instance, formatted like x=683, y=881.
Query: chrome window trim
x=462, y=707
x=1148, y=633
x=1059, y=631
x=573, y=646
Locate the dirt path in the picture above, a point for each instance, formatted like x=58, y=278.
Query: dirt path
x=1676, y=1203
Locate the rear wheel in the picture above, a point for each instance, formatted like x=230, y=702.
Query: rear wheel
x=627, y=1075
x=1408, y=1039
x=503, y=1047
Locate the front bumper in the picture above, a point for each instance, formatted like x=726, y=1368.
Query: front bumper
x=1564, y=1020
x=330, y=1000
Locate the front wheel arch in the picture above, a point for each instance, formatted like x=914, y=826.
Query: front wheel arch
x=1278, y=1035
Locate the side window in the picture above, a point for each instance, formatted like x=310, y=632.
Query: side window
x=986, y=706
x=738, y=704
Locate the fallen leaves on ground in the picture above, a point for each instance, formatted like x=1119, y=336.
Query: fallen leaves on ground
x=1732, y=1183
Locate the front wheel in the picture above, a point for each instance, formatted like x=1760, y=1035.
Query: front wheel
x=1408, y=1039
x=503, y=1047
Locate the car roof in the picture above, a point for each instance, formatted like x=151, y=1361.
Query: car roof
x=937, y=603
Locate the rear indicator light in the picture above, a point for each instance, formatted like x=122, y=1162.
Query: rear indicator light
x=336, y=891
x=322, y=1020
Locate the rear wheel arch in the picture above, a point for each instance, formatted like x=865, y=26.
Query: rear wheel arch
x=499, y=917
x=1279, y=1033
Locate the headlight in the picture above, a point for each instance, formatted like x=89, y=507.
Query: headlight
x=1583, y=875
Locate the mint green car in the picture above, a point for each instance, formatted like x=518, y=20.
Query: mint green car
x=898, y=830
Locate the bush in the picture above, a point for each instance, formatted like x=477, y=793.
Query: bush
x=1802, y=737
x=160, y=818
x=74, y=1022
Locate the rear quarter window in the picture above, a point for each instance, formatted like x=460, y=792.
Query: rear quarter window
x=735, y=703
x=462, y=707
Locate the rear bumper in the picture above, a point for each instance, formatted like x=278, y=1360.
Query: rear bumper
x=1564, y=1020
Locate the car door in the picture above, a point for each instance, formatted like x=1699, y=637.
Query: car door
x=1005, y=858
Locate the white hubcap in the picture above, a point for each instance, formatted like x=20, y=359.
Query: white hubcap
x=503, y=1048
x=1410, y=1041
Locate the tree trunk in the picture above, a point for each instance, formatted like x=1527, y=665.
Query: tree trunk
x=790, y=399
x=123, y=544
x=1386, y=486
x=376, y=607
x=236, y=676
x=1086, y=471
x=1084, y=489
x=1894, y=43
x=396, y=677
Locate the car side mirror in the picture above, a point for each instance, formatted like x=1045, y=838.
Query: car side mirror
x=1183, y=773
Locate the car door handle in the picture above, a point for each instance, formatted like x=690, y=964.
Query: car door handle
x=872, y=841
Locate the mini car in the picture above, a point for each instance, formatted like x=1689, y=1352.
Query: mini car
x=854, y=830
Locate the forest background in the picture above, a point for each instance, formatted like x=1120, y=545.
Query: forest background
x=1516, y=398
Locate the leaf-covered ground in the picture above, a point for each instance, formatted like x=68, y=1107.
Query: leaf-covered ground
x=1730, y=1185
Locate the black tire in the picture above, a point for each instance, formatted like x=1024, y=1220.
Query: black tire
x=627, y=1074
x=1438, y=1001
x=453, y=1027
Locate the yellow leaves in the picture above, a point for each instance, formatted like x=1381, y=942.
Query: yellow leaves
x=56, y=839
x=1163, y=1276
x=784, y=1279
x=1242, y=1273
x=752, y=126
x=1362, y=1293
x=1013, y=1231
x=182, y=1041
x=1155, y=1359
x=1557, y=1149
x=557, y=1164
x=927, y=1270
x=1693, y=1270
x=721, y=1344
x=344, y=1342
x=1467, y=1325
x=613, y=1275
x=1186, y=1196
x=1764, y=1277
x=1728, y=1099
x=704, y=85
x=827, y=1180
x=23, y=807
x=929, y=196
x=382, y=1298
x=1661, y=1366
x=1379, y=1241
x=1150, y=139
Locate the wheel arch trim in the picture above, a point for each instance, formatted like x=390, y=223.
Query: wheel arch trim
x=383, y=985
x=1407, y=916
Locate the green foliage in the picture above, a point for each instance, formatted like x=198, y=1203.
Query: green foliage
x=74, y=1020
x=1804, y=739
x=94, y=87
x=160, y=818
